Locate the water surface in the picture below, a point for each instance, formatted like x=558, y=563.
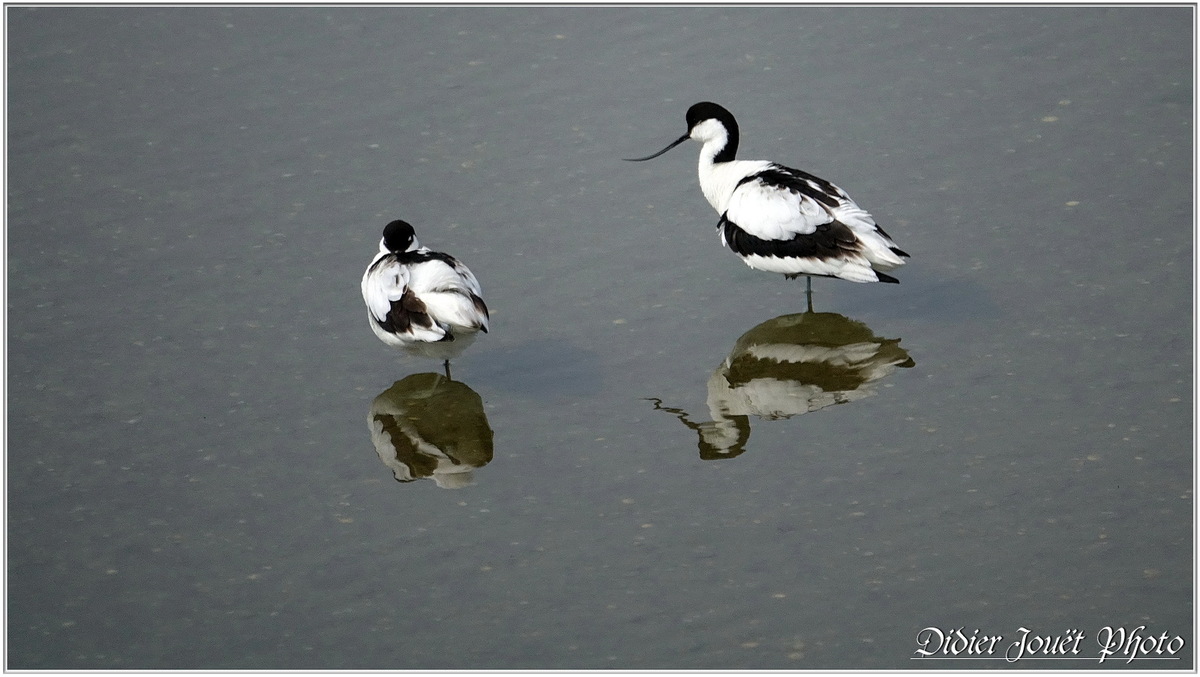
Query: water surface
x=681, y=468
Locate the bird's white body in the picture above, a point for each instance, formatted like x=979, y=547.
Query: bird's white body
x=425, y=302
x=783, y=220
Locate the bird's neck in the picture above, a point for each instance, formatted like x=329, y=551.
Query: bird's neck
x=721, y=147
x=715, y=175
x=717, y=153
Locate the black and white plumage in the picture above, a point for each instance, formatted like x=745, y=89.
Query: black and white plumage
x=784, y=220
x=423, y=301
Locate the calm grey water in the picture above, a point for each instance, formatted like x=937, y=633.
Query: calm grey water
x=662, y=461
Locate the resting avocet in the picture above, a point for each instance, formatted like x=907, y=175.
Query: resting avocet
x=423, y=301
x=783, y=220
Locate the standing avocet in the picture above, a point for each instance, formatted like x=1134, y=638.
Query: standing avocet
x=423, y=301
x=783, y=220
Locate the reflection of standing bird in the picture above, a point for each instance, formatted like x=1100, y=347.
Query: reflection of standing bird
x=786, y=366
x=796, y=364
x=784, y=220
x=423, y=301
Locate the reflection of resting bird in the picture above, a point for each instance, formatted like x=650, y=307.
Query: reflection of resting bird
x=427, y=426
x=423, y=301
x=784, y=220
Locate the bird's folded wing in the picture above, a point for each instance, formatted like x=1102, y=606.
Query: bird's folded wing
x=382, y=286
x=774, y=211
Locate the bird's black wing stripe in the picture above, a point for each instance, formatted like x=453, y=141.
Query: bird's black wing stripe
x=830, y=241
x=797, y=182
x=414, y=257
x=805, y=176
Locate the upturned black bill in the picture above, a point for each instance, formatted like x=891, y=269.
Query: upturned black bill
x=674, y=143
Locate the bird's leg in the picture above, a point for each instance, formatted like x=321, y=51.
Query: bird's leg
x=808, y=291
x=446, y=364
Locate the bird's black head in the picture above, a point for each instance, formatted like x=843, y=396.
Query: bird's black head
x=707, y=110
x=398, y=236
x=704, y=111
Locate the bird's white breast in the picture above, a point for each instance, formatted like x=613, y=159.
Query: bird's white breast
x=719, y=180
